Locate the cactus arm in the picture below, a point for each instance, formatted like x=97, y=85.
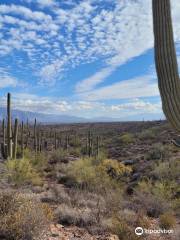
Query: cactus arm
x=166, y=61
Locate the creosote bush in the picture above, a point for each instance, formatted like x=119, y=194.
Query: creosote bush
x=22, y=218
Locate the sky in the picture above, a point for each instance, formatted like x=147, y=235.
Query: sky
x=86, y=58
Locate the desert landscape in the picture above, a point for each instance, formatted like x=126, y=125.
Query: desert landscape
x=89, y=120
x=88, y=181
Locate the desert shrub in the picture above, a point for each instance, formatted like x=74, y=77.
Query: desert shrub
x=96, y=174
x=68, y=215
x=176, y=206
x=39, y=162
x=158, y=152
x=167, y=221
x=83, y=172
x=22, y=172
x=22, y=218
x=114, y=168
x=127, y=138
x=147, y=134
x=167, y=170
x=75, y=151
x=154, y=199
x=122, y=229
x=58, y=156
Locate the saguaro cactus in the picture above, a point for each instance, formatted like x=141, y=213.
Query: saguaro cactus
x=166, y=61
x=3, y=144
x=35, y=136
x=22, y=139
x=15, y=138
x=4, y=132
x=9, y=130
x=97, y=146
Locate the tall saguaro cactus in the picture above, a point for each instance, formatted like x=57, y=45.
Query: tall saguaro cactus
x=15, y=138
x=166, y=61
x=22, y=139
x=9, y=130
x=35, y=135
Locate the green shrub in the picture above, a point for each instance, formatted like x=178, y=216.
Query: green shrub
x=22, y=172
x=22, y=218
x=94, y=173
x=122, y=229
x=58, y=156
x=147, y=134
x=153, y=198
x=75, y=151
x=167, y=221
x=158, y=152
x=127, y=138
x=167, y=170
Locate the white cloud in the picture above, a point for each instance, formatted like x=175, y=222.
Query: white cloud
x=91, y=82
x=144, y=86
x=80, y=33
x=49, y=73
x=47, y=3
x=138, y=105
x=6, y=80
x=134, y=107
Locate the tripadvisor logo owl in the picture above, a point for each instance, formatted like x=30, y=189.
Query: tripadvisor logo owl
x=139, y=231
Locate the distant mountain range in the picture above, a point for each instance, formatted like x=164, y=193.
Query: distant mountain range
x=53, y=118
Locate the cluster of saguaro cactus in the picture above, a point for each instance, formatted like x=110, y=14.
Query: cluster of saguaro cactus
x=166, y=61
x=9, y=149
x=32, y=136
x=91, y=149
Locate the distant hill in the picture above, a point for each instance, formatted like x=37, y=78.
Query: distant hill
x=53, y=118
x=41, y=117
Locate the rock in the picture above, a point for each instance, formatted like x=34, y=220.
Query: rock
x=113, y=237
x=135, y=177
x=54, y=230
x=129, y=162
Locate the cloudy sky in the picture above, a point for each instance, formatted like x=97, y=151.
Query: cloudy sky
x=88, y=58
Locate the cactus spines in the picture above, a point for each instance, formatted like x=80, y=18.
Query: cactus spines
x=15, y=138
x=22, y=139
x=9, y=130
x=166, y=61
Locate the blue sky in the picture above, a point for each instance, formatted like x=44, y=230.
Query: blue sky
x=85, y=58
